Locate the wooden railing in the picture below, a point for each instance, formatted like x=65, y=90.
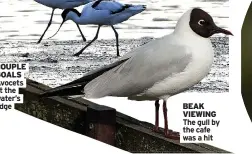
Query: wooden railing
x=102, y=123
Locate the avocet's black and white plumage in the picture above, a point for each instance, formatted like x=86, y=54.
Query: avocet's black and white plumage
x=102, y=13
x=61, y=4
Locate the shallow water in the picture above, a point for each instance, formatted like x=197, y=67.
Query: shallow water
x=26, y=19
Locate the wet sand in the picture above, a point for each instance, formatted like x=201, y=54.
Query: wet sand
x=52, y=62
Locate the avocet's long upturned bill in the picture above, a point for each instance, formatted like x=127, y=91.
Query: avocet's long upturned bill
x=102, y=13
x=156, y=70
x=61, y=4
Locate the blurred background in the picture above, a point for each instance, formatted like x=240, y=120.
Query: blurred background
x=246, y=61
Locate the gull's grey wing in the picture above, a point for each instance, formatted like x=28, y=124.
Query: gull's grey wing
x=75, y=87
x=147, y=66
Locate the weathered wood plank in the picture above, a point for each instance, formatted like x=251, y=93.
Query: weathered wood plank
x=102, y=123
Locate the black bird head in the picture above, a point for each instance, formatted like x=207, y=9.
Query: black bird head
x=202, y=24
x=65, y=17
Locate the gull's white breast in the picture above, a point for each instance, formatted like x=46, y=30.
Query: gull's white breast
x=199, y=67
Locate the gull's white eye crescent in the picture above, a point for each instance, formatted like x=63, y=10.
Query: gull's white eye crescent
x=201, y=22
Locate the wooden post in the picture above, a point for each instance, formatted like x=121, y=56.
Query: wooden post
x=101, y=123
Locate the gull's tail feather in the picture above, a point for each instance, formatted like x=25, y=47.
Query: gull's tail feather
x=65, y=90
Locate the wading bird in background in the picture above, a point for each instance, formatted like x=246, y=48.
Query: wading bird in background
x=61, y=4
x=101, y=13
x=157, y=70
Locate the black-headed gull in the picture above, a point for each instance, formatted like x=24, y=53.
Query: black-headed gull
x=157, y=70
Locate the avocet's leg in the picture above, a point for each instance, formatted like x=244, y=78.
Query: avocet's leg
x=49, y=24
x=168, y=133
x=117, y=42
x=95, y=38
x=83, y=37
x=156, y=127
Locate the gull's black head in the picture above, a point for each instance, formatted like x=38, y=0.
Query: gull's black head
x=66, y=11
x=202, y=24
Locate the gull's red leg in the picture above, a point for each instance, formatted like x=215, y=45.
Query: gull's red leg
x=156, y=128
x=168, y=133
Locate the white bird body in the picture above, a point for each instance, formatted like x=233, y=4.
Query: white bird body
x=62, y=4
x=200, y=63
x=162, y=78
x=104, y=13
x=198, y=67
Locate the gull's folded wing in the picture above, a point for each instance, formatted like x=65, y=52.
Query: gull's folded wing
x=76, y=87
x=147, y=66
